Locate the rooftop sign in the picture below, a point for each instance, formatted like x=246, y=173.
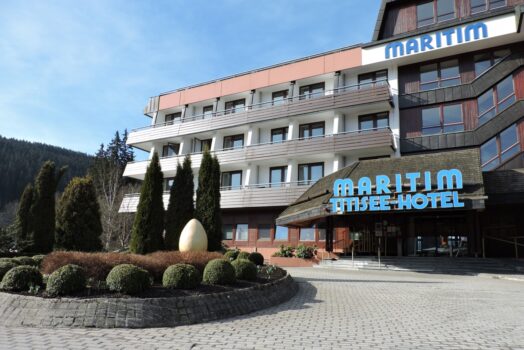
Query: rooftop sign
x=386, y=194
x=446, y=38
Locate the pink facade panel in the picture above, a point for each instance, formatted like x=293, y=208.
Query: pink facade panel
x=299, y=70
x=259, y=79
x=201, y=93
x=170, y=100
x=343, y=60
x=236, y=85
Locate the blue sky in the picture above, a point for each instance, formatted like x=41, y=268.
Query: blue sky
x=73, y=72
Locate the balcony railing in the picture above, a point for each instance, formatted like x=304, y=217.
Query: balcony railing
x=346, y=96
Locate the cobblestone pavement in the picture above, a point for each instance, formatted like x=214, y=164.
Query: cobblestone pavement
x=334, y=309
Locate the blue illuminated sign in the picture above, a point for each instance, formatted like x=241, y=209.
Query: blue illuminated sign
x=410, y=191
x=437, y=40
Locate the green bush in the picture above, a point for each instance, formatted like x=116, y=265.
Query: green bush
x=21, y=278
x=245, y=269
x=304, y=252
x=6, y=266
x=25, y=260
x=9, y=260
x=243, y=255
x=256, y=258
x=231, y=254
x=219, y=271
x=128, y=279
x=181, y=276
x=66, y=280
x=284, y=252
x=38, y=260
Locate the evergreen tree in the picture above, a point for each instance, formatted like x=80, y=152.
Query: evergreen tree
x=146, y=235
x=78, y=225
x=208, y=200
x=42, y=212
x=181, y=207
x=22, y=220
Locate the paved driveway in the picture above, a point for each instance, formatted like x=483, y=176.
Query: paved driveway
x=335, y=310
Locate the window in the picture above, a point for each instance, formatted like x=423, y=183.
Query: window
x=373, y=121
x=311, y=91
x=279, y=97
x=232, y=180
x=307, y=233
x=485, y=60
x=170, y=150
x=310, y=173
x=443, y=119
x=227, y=232
x=495, y=100
x=234, y=141
x=439, y=75
x=207, y=111
x=444, y=10
x=321, y=227
x=483, y=5
x=277, y=176
x=235, y=106
x=500, y=148
x=372, y=79
x=173, y=118
x=241, y=232
x=168, y=183
x=281, y=233
x=279, y=135
x=311, y=130
x=264, y=232
x=205, y=144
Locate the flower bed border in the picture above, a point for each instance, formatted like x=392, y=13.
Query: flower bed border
x=22, y=310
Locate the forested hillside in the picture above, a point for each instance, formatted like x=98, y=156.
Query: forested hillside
x=21, y=160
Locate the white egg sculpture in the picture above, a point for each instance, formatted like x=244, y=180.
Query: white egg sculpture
x=193, y=237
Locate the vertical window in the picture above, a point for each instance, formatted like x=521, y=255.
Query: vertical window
x=232, y=180
x=373, y=121
x=311, y=91
x=170, y=150
x=310, y=173
x=227, y=232
x=442, y=119
x=279, y=135
x=281, y=233
x=435, y=11
x=279, y=97
x=264, y=232
x=500, y=148
x=277, y=176
x=484, y=61
x=445, y=10
x=235, y=106
x=234, y=141
x=242, y=232
x=311, y=130
x=307, y=233
x=425, y=14
x=372, y=79
x=483, y=5
x=496, y=99
x=208, y=111
x=173, y=118
x=168, y=183
x=438, y=75
x=205, y=144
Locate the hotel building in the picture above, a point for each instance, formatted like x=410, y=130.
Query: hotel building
x=439, y=87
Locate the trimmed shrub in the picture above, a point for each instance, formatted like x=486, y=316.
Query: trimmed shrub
x=38, y=260
x=304, y=252
x=243, y=255
x=231, y=254
x=219, y=271
x=256, y=258
x=245, y=269
x=128, y=279
x=66, y=280
x=6, y=266
x=21, y=278
x=181, y=276
x=9, y=260
x=25, y=260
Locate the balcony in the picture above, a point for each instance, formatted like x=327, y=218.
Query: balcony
x=376, y=139
x=344, y=97
x=252, y=196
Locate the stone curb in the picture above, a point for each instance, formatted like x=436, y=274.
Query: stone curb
x=30, y=311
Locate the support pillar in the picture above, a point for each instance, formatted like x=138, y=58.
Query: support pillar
x=329, y=234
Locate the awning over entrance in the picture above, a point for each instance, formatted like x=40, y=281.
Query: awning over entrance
x=315, y=202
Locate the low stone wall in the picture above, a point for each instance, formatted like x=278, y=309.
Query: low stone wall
x=21, y=310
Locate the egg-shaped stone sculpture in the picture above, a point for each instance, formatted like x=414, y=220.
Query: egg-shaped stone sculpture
x=193, y=237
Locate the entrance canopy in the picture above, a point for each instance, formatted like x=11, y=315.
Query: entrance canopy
x=316, y=202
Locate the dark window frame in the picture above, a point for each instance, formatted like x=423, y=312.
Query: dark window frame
x=500, y=152
x=435, y=13
x=166, y=185
x=283, y=93
x=228, y=187
x=173, y=118
x=269, y=227
x=442, y=119
x=308, y=181
x=165, y=150
x=310, y=127
x=306, y=92
x=283, y=176
x=375, y=117
x=232, y=139
x=275, y=230
x=236, y=232
x=209, y=113
x=487, y=6
x=284, y=131
x=224, y=235
x=374, y=81
x=495, y=99
x=439, y=80
x=491, y=56
x=231, y=107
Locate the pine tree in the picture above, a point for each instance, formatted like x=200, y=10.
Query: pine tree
x=146, y=236
x=208, y=200
x=23, y=218
x=181, y=207
x=42, y=212
x=78, y=225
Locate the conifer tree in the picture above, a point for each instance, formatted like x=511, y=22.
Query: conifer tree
x=78, y=225
x=181, y=207
x=42, y=212
x=148, y=227
x=22, y=220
